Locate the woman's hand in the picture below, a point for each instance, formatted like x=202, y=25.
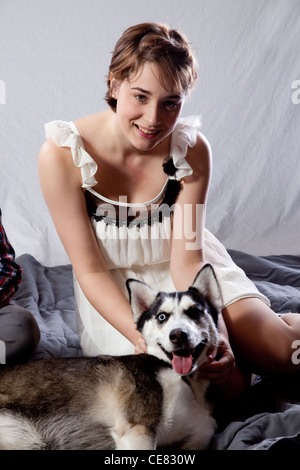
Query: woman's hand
x=220, y=363
x=140, y=346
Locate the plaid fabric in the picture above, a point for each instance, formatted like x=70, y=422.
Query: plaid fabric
x=10, y=271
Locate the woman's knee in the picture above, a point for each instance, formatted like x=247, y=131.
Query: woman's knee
x=20, y=334
x=30, y=336
x=279, y=347
x=30, y=327
x=261, y=338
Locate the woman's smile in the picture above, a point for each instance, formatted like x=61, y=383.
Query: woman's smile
x=147, y=133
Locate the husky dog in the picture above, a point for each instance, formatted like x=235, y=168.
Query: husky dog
x=132, y=402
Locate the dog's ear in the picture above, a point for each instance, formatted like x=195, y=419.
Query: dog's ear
x=141, y=297
x=207, y=285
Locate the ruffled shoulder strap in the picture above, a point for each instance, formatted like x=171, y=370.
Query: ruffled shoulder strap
x=184, y=136
x=66, y=134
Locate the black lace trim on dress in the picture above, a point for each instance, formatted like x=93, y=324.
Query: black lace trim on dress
x=173, y=187
x=164, y=209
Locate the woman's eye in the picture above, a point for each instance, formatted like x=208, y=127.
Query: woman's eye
x=141, y=98
x=161, y=317
x=171, y=104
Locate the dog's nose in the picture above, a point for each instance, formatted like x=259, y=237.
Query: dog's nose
x=178, y=336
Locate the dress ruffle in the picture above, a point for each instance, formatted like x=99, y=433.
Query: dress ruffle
x=184, y=135
x=65, y=134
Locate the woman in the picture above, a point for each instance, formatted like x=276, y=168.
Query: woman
x=108, y=179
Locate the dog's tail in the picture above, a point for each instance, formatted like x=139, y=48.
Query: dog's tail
x=18, y=433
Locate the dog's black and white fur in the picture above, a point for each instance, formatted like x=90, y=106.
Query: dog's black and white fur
x=128, y=402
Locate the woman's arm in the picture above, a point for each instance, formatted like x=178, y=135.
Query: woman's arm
x=61, y=185
x=187, y=255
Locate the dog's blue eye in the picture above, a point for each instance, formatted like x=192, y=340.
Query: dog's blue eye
x=161, y=317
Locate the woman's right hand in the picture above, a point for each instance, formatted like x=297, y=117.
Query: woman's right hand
x=140, y=347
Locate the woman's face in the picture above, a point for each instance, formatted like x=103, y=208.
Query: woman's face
x=147, y=112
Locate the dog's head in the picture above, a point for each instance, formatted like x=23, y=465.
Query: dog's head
x=178, y=327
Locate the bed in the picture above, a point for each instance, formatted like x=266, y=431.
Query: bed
x=268, y=417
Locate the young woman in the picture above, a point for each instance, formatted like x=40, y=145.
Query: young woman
x=127, y=190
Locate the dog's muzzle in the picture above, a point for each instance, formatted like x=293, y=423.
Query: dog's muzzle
x=183, y=357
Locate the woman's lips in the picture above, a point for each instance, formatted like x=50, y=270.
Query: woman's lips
x=147, y=133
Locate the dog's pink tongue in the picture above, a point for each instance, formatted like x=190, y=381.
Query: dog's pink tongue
x=182, y=364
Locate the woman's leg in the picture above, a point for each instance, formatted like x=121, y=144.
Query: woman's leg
x=19, y=333
x=262, y=340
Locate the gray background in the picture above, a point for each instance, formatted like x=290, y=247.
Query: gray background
x=54, y=56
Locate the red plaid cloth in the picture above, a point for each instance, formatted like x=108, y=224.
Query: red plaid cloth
x=10, y=271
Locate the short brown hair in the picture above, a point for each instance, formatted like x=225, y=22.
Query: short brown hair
x=154, y=43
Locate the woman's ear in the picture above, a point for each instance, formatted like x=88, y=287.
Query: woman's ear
x=113, y=87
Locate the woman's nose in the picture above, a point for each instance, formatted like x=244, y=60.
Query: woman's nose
x=152, y=114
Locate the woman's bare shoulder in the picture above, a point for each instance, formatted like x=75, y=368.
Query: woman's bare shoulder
x=200, y=156
x=52, y=154
x=56, y=166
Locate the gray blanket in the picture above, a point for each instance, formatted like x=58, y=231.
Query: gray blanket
x=266, y=418
x=48, y=293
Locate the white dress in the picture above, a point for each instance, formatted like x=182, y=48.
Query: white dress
x=135, y=239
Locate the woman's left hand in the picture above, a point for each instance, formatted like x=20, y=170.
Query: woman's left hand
x=220, y=363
